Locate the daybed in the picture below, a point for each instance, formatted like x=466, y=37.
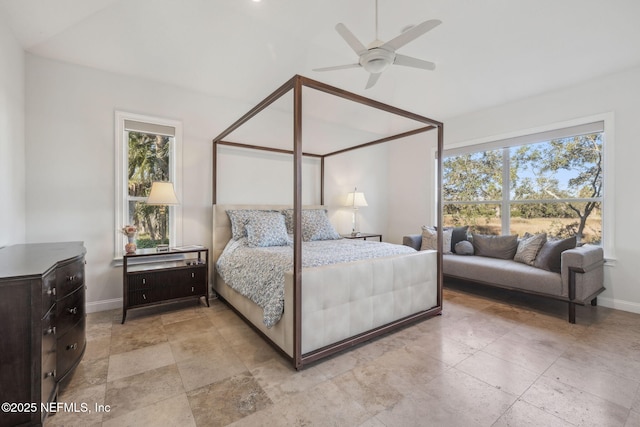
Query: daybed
x=577, y=277
x=331, y=307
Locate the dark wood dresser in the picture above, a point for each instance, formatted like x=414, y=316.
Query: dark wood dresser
x=42, y=312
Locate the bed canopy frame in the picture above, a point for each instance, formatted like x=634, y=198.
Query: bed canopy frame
x=296, y=83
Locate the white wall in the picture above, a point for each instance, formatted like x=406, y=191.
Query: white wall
x=70, y=159
x=617, y=93
x=12, y=141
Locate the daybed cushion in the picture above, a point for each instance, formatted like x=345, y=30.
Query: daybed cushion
x=464, y=248
x=430, y=239
x=502, y=247
x=549, y=257
x=503, y=272
x=528, y=247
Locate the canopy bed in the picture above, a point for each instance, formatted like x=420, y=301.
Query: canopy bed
x=326, y=306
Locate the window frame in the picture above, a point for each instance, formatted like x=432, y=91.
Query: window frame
x=121, y=179
x=608, y=197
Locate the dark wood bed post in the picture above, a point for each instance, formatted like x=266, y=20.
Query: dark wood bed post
x=439, y=219
x=297, y=213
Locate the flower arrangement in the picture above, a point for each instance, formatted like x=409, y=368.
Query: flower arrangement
x=129, y=230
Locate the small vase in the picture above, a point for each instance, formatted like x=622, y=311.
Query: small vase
x=130, y=247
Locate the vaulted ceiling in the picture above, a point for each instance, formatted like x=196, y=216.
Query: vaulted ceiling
x=487, y=52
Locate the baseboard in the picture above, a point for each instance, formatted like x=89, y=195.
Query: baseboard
x=109, y=304
x=617, y=304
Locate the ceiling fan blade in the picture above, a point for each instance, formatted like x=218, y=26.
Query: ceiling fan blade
x=412, y=34
x=350, y=39
x=373, y=78
x=337, y=67
x=409, y=61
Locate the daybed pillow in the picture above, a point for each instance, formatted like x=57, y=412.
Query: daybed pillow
x=240, y=217
x=528, y=247
x=430, y=239
x=267, y=230
x=550, y=255
x=459, y=235
x=503, y=247
x=464, y=247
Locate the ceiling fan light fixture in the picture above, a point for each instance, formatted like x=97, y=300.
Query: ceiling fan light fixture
x=377, y=60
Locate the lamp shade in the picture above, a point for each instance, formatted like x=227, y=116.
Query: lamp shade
x=356, y=199
x=162, y=193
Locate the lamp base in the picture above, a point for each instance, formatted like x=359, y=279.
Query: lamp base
x=355, y=233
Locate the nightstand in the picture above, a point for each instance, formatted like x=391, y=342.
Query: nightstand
x=363, y=236
x=151, y=277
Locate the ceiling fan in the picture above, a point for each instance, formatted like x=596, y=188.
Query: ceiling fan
x=378, y=55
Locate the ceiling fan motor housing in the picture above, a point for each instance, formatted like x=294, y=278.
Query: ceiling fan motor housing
x=376, y=60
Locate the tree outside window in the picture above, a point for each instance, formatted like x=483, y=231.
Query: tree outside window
x=553, y=187
x=149, y=157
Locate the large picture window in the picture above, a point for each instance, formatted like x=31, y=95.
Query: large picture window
x=147, y=151
x=550, y=182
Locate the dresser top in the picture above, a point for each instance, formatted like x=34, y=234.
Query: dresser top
x=36, y=259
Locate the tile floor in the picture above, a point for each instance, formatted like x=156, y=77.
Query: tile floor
x=490, y=360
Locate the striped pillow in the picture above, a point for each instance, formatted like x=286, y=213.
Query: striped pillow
x=528, y=248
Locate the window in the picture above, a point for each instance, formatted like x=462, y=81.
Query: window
x=147, y=150
x=546, y=182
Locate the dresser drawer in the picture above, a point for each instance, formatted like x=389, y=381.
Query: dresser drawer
x=69, y=311
x=49, y=332
x=49, y=376
x=70, y=348
x=69, y=277
x=48, y=291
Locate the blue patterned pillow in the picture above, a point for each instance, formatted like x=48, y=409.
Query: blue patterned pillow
x=267, y=229
x=240, y=217
x=315, y=225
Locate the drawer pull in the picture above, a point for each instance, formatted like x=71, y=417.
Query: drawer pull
x=51, y=291
x=72, y=346
x=193, y=275
x=192, y=289
x=73, y=310
x=50, y=374
x=71, y=278
x=144, y=281
x=50, y=331
x=144, y=297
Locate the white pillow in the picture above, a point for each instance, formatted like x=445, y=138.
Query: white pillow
x=430, y=239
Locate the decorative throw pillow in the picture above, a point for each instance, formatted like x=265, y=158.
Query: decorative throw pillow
x=240, y=217
x=267, y=230
x=550, y=255
x=430, y=239
x=464, y=247
x=528, y=248
x=503, y=247
x=459, y=235
x=316, y=226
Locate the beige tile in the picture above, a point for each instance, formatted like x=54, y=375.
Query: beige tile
x=595, y=381
x=195, y=344
x=80, y=407
x=88, y=373
x=322, y=405
x=370, y=386
x=426, y=411
x=137, y=361
x=573, y=405
x=188, y=327
x=438, y=346
x=279, y=380
x=137, y=334
x=141, y=390
x=477, y=331
x=497, y=372
x=227, y=401
x=633, y=420
x=210, y=367
x=481, y=402
x=174, y=411
x=523, y=414
x=604, y=360
x=411, y=367
x=98, y=348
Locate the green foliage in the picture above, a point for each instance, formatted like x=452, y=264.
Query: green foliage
x=562, y=170
x=149, y=159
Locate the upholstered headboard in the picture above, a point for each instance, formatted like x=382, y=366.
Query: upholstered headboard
x=222, y=224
